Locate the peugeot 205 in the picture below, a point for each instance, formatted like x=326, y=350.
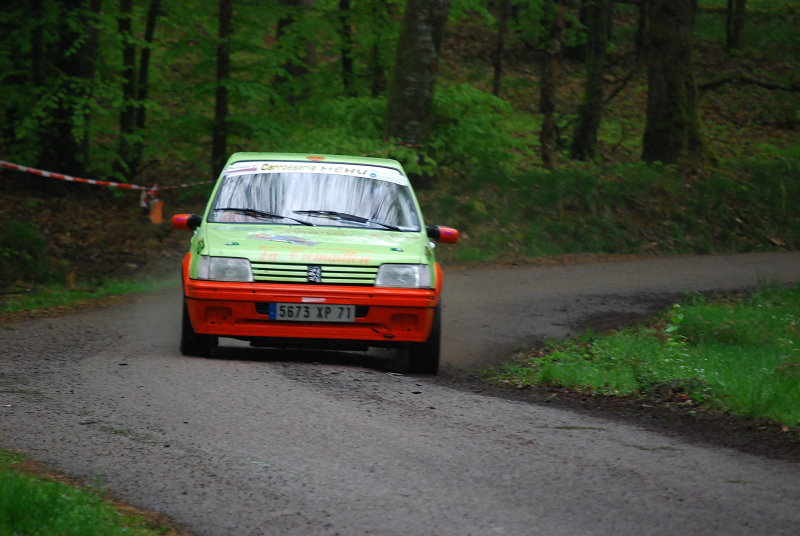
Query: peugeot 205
x=299, y=250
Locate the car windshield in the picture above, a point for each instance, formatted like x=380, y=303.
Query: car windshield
x=335, y=199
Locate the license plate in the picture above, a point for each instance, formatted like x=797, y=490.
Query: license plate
x=304, y=312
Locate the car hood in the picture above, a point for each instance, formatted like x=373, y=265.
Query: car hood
x=324, y=245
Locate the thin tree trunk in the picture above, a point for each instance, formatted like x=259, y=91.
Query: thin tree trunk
x=219, y=145
x=127, y=114
x=377, y=74
x=598, y=19
x=346, y=35
x=302, y=58
x=642, y=28
x=577, y=51
x=672, y=130
x=144, y=75
x=735, y=16
x=92, y=46
x=65, y=148
x=548, y=137
x=499, y=46
x=37, y=44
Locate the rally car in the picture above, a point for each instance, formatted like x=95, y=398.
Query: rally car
x=308, y=250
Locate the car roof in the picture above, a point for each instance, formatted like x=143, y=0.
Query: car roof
x=315, y=157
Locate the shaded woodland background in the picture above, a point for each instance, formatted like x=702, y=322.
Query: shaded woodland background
x=538, y=127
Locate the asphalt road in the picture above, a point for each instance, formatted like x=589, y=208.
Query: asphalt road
x=264, y=442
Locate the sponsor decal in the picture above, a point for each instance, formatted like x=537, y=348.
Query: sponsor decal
x=296, y=240
x=344, y=257
x=357, y=170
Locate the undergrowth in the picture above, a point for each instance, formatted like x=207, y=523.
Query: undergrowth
x=633, y=208
x=738, y=355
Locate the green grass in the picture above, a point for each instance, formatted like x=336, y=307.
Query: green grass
x=56, y=295
x=30, y=505
x=737, y=355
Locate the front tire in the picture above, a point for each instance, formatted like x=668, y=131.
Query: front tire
x=423, y=357
x=194, y=344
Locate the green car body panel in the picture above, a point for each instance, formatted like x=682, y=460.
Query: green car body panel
x=289, y=241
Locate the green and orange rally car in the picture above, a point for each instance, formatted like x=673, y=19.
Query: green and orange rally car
x=300, y=250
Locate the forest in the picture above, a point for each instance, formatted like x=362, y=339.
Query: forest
x=538, y=127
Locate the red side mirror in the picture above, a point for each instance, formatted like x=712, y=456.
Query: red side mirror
x=186, y=222
x=443, y=235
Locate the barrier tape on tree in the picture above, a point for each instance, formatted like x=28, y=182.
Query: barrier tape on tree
x=149, y=197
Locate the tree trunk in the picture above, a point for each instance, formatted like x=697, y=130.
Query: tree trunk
x=672, y=130
x=296, y=66
x=37, y=44
x=92, y=46
x=219, y=145
x=642, y=28
x=577, y=51
x=411, y=88
x=65, y=148
x=735, y=16
x=375, y=67
x=598, y=20
x=127, y=115
x=499, y=46
x=346, y=35
x=548, y=137
x=144, y=76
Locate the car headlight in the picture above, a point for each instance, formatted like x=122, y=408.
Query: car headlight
x=224, y=269
x=404, y=276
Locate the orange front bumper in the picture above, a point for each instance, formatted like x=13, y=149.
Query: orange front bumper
x=240, y=310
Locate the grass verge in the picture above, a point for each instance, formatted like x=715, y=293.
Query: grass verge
x=54, y=296
x=737, y=355
x=33, y=504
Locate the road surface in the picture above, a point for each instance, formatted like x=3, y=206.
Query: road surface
x=267, y=442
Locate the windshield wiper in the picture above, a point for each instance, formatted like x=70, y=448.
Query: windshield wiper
x=387, y=225
x=346, y=217
x=333, y=214
x=261, y=214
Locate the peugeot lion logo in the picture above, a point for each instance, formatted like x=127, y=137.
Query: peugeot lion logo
x=314, y=274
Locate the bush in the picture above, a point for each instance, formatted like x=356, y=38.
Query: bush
x=23, y=256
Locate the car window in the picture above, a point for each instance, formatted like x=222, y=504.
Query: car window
x=319, y=198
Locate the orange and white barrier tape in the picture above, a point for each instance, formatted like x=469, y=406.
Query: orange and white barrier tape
x=149, y=197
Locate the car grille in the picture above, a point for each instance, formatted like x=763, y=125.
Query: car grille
x=324, y=274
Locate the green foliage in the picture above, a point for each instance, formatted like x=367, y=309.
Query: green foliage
x=352, y=121
x=24, y=256
x=742, y=205
x=736, y=355
x=286, y=93
x=35, y=506
x=469, y=131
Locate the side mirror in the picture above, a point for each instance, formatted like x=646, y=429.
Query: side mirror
x=443, y=235
x=186, y=222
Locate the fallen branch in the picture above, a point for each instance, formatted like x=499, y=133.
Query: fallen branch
x=747, y=82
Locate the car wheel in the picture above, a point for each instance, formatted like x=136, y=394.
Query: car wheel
x=423, y=357
x=194, y=344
